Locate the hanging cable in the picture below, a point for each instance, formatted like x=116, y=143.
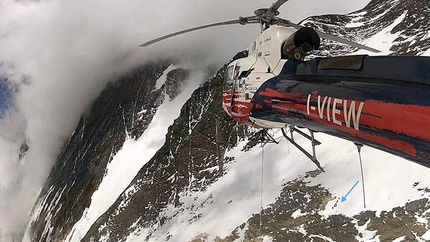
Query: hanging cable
x=362, y=173
x=261, y=185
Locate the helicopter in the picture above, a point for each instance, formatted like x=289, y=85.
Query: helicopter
x=378, y=101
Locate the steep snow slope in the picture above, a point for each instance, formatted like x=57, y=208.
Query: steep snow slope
x=398, y=27
x=115, y=117
x=236, y=196
x=132, y=156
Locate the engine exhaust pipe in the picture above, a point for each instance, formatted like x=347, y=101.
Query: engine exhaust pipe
x=298, y=44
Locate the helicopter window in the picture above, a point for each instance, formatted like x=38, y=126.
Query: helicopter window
x=229, y=72
x=245, y=73
x=240, y=55
x=228, y=80
x=236, y=72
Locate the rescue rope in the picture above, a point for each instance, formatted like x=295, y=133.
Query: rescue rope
x=261, y=185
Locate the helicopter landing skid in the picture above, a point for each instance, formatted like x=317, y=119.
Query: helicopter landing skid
x=314, y=142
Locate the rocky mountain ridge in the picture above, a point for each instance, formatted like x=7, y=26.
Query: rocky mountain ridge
x=397, y=27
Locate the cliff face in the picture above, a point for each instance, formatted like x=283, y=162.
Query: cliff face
x=114, y=117
x=143, y=163
x=187, y=162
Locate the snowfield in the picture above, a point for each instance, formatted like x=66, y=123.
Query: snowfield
x=236, y=196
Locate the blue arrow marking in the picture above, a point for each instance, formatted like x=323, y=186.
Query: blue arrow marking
x=350, y=190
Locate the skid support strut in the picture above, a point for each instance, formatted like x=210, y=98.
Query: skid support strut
x=263, y=137
x=314, y=142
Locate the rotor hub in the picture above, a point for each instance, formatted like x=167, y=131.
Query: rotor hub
x=266, y=11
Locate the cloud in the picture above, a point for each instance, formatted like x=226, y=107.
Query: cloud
x=62, y=53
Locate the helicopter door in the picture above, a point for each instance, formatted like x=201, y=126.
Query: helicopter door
x=235, y=86
x=228, y=87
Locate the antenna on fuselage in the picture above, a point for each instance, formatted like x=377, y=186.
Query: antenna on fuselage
x=359, y=146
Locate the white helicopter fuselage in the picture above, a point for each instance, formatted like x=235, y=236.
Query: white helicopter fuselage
x=245, y=75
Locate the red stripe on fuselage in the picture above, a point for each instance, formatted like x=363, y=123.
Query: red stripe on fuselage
x=237, y=110
x=409, y=120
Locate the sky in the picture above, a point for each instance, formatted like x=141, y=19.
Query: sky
x=59, y=55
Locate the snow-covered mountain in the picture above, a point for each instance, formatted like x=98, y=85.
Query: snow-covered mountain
x=142, y=165
x=398, y=27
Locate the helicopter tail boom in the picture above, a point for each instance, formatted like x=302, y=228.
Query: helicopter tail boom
x=375, y=103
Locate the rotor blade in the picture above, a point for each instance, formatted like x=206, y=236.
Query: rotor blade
x=347, y=42
x=288, y=23
x=278, y=4
x=241, y=20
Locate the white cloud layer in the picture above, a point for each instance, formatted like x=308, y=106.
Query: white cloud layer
x=62, y=53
